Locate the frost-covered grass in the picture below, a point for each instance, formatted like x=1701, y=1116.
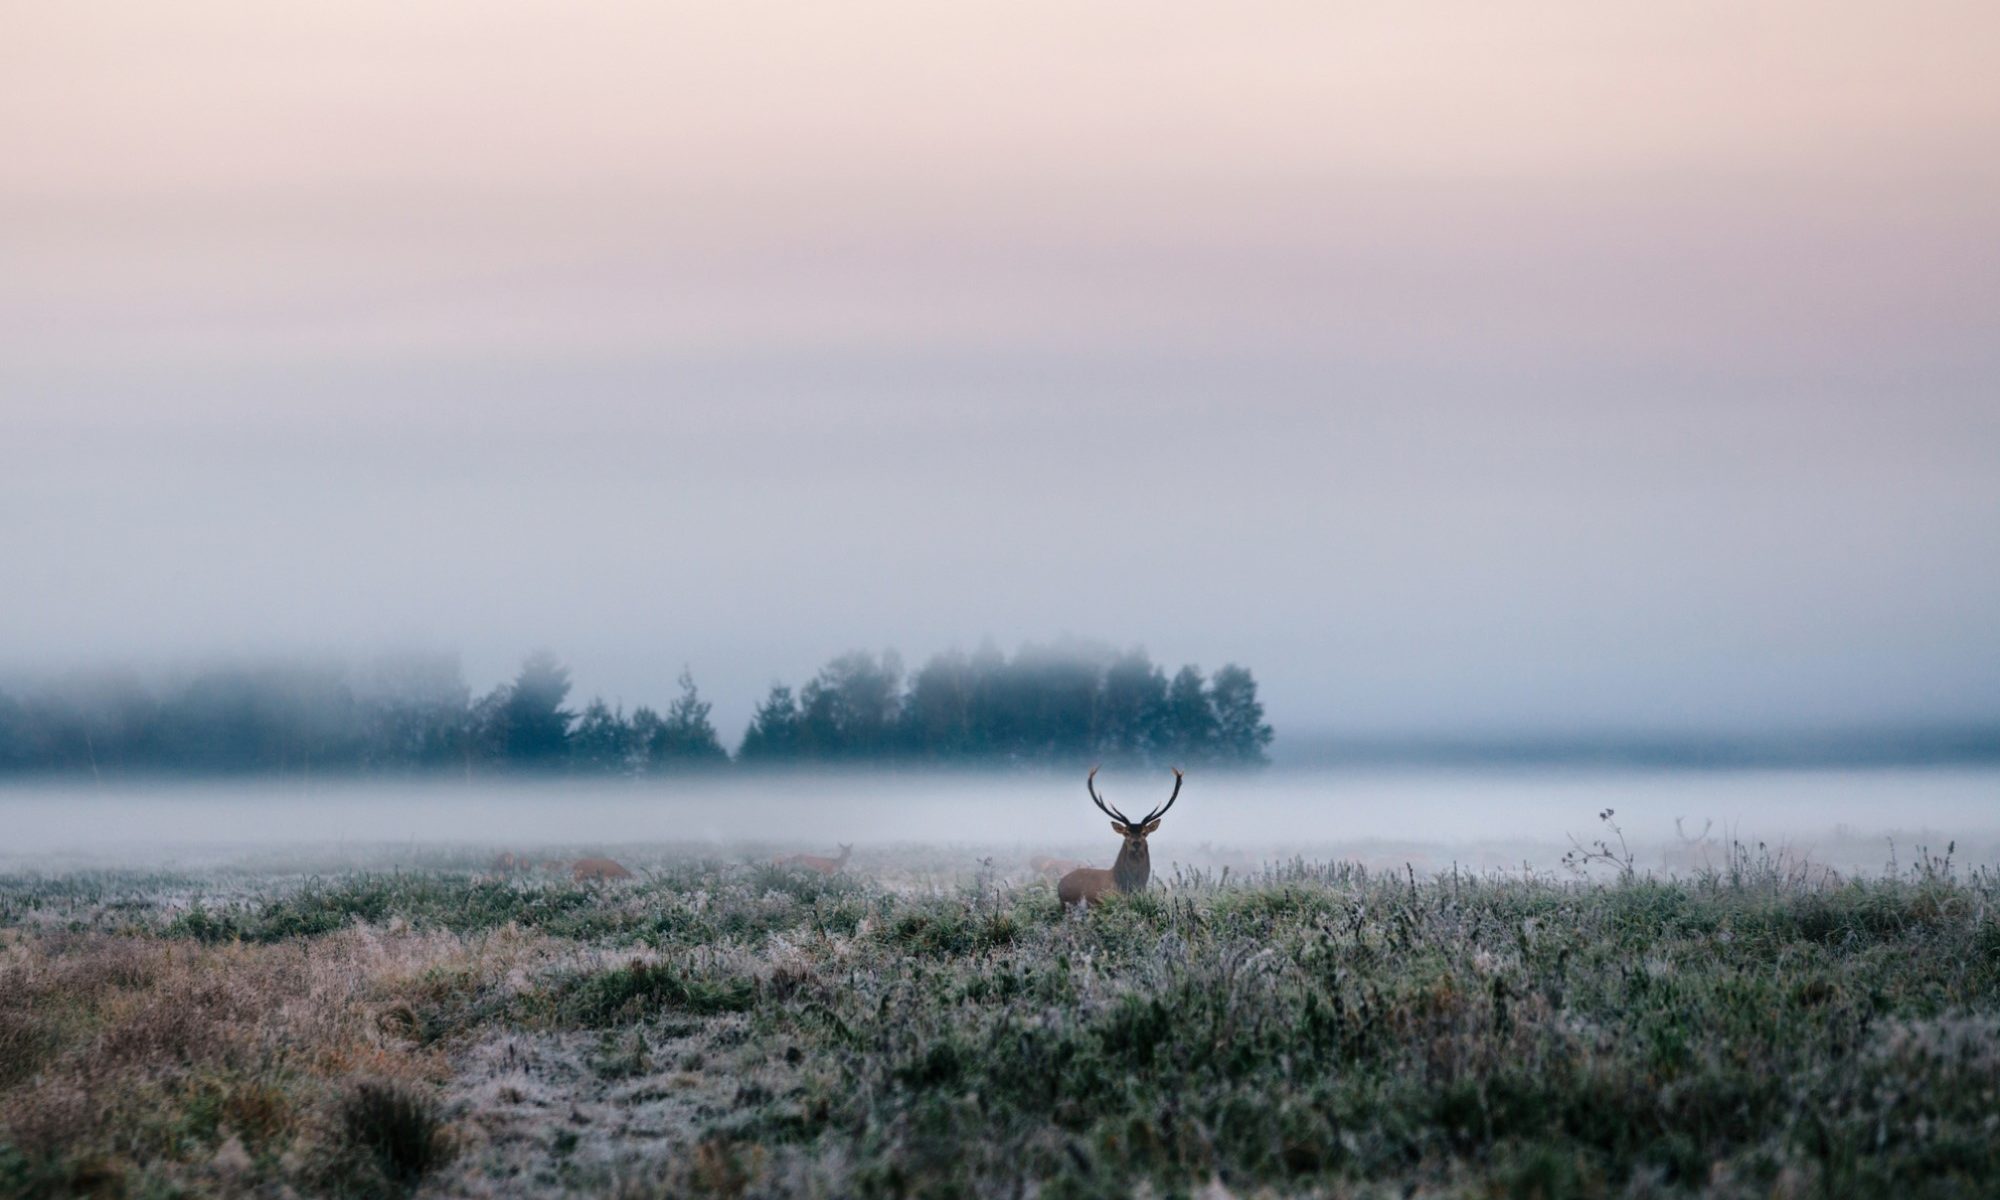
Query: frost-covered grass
x=930, y=1025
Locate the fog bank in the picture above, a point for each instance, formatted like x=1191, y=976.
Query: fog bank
x=1489, y=819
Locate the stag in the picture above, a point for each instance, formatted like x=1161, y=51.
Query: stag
x=1086, y=885
x=818, y=862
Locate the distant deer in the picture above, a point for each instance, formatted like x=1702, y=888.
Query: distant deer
x=817, y=862
x=507, y=863
x=585, y=869
x=1086, y=885
x=1042, y=864
x=1694, y=854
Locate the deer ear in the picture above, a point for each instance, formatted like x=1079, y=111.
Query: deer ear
x=1151, y=825
x=1120, y=829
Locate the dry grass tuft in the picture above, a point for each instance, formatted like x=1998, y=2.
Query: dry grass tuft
x=390, y=1135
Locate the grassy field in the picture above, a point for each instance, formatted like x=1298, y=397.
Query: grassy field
x=928, y=1025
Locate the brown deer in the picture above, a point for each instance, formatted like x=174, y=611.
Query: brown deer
x=1052, y=868
x=585, y=869
x=817, y=862
x=1087, y=885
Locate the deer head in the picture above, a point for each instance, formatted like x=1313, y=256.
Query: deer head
x=1134, y=866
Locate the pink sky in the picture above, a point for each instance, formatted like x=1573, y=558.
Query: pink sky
x=245, y=180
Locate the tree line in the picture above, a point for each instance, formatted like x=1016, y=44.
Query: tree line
x=1055, y=704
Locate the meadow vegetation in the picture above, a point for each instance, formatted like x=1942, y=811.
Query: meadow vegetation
x=930, y=1025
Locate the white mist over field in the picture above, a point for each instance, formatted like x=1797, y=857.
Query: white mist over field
x=1430, y=820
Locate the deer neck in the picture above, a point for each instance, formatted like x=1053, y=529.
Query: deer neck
x=1132, y=870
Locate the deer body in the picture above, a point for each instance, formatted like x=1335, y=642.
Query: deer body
x=1134, y=866
x=819, y=862
x=584, y=869
x=1130, y=873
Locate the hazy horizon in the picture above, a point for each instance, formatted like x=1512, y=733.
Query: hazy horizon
x=1478, y=820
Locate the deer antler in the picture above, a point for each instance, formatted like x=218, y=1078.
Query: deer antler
x=1161, y=811
x=1090, y=785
